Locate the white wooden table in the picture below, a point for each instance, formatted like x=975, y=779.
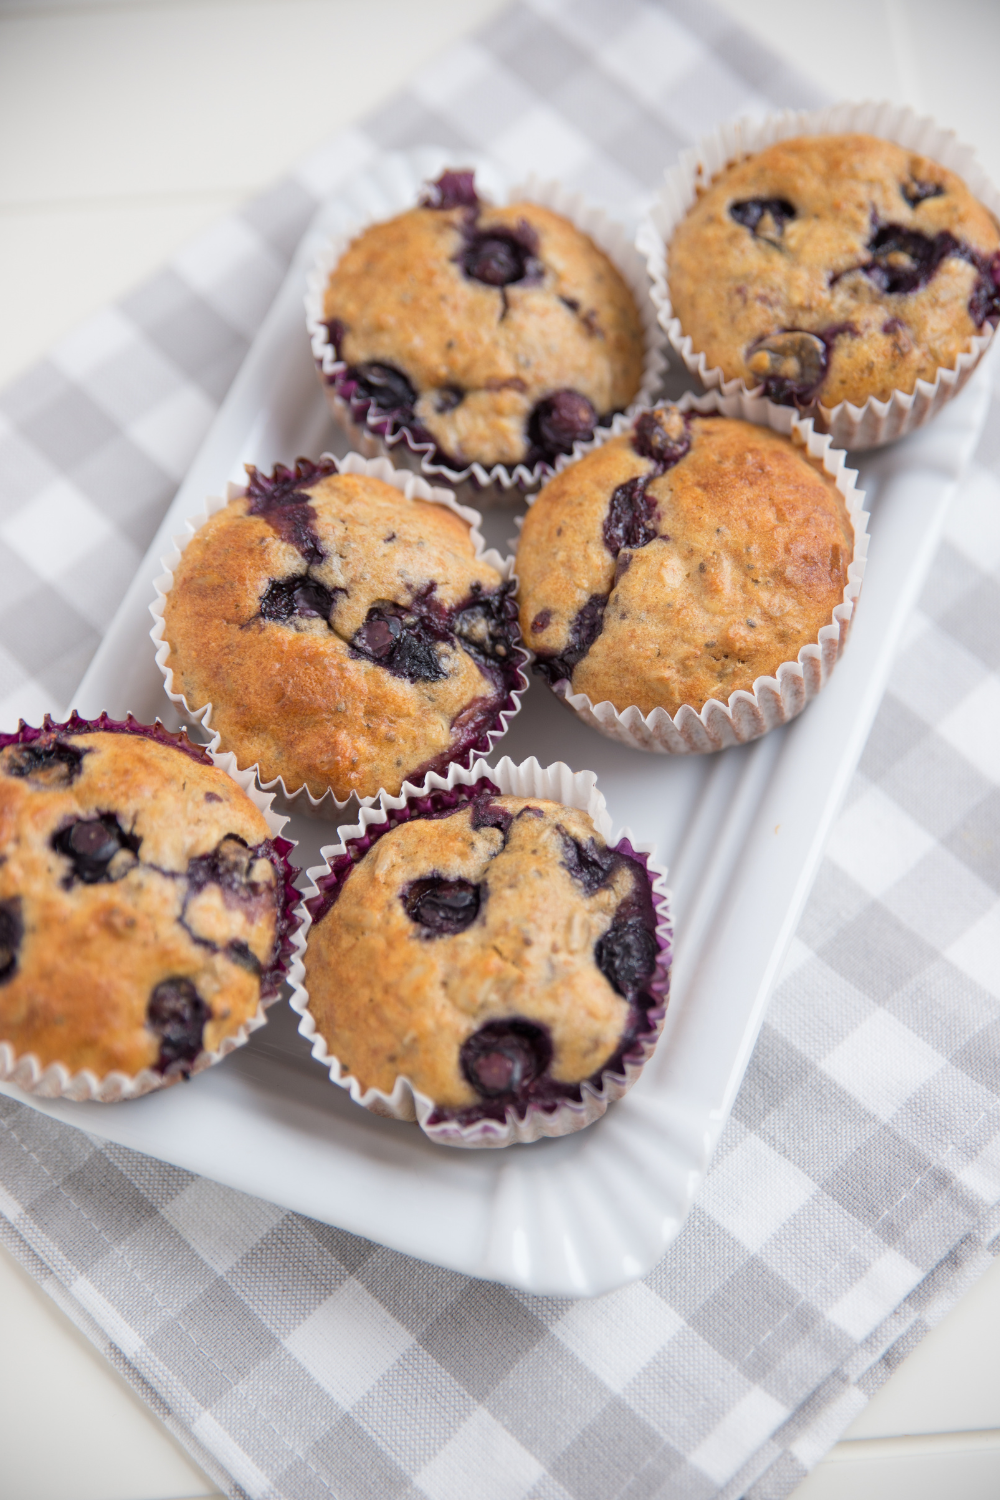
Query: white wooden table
x=121, y=135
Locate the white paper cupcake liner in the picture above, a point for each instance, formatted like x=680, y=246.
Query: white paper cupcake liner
x=555, y=783
x=55, y=1080
x=876, y=422
x=393, y=186
x=772, y=701
x=300, y=799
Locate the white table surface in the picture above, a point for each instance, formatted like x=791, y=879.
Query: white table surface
x=122, y=134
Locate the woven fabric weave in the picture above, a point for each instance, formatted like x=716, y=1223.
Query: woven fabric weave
x=855, y=1192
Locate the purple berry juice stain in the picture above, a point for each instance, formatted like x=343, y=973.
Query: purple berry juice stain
x=280, y=500
x=586, y=627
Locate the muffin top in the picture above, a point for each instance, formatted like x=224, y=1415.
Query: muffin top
x=681, y=561
x=346, y=636
x=495, y=955
x=834, y=268
x=502, y=335
x=141, y=902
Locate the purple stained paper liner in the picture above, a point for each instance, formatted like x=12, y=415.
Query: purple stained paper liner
x=394, y=189
x=495, y=1124
x=27, y=734
x=55, y=1080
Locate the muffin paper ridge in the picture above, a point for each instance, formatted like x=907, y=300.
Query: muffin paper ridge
x=773, y=700
x=395, y=187
x=54, y=1080
x=300, y=799
x=557, y=783
x=858, y=427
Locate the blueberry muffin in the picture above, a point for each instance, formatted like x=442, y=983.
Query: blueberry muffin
x=143, y=905
x=346, y=637
x=492, y=950
x=835, y=268
x=499, y=335
x=680, y=561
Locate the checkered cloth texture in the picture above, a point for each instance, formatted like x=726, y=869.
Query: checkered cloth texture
x=855, y=1193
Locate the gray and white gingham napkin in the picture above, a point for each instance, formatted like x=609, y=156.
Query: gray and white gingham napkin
x=855, y=1193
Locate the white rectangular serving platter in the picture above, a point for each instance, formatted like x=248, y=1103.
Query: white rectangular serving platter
x=742, y=832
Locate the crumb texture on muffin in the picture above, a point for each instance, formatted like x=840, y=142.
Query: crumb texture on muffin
x=141, y=903
x=681, y=562
x=496, y=956
x=346, y=637
x=835, y=268
x=502, y=335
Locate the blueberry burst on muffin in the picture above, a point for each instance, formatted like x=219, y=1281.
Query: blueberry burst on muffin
x=492, y=950
x=345, y=636
x=496, y=335
x=835, y=268
x=681, y=561
x=143, y=905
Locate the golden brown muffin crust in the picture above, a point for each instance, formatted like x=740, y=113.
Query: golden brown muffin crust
x=749, y=558
x=294, y=695
x=732, y=285
x=90, y=955
x=392, y=998
x=402, y=299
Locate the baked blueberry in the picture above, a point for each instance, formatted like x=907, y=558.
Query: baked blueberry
x=834, y=268
x=491, y=335
x=792, y=365
x=346, y=638
x=144, y=908
x=499, y=257
x=493, y=950
x=11, y=933
x=503, y=1059
x=177, y=1015
x=385, y=387
x=442, y=906
x=560, y=421
x=49, y=762
x=97, y=849
x=667, y=570
x=765, y=217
